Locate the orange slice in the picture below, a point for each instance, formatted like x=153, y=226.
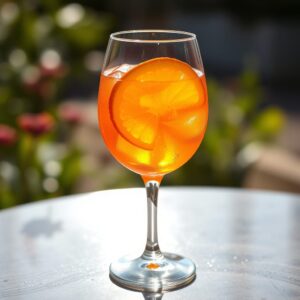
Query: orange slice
x=153, y=94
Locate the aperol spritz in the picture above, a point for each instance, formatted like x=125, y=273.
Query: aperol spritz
x=153, y=112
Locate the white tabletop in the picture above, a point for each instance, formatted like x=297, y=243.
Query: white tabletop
x=246, y=244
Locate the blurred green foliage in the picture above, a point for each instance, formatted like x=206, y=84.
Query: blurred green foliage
x=44, y=45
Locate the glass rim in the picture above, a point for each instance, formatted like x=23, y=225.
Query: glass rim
x=189, y=36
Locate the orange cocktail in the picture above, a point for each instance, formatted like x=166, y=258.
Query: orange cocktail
x=153, y=115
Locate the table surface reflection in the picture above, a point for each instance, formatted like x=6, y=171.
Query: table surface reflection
x=246, y=244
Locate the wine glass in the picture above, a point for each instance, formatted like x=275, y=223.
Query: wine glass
x=153, y=112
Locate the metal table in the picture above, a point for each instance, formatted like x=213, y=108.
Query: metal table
x=246, y=244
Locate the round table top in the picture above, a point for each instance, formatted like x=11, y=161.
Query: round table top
x=246, y=244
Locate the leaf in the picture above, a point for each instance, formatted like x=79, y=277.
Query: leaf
x=7, y=197
x=71, y=170
x=269, y=122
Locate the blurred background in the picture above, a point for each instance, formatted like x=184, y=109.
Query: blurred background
x=50, y=58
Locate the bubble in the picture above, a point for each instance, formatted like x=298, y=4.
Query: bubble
x=52, y=168
x=70, y=15
x=30, y=74
x=17, y=58
x=50, y=59
x=9, y=12
x=50, y=185
x=249, y=154
x=8, y=171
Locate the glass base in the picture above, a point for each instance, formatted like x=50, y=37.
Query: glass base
x=168, y=273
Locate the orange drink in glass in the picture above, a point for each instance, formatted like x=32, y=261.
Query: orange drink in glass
x=153, y=115
x=153, y=112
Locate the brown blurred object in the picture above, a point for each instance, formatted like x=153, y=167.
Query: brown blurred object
x=278, y=167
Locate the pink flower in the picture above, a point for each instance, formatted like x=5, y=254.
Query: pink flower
x=8, y=135
x=36, y=124
x=70, y=113
x=56, y=72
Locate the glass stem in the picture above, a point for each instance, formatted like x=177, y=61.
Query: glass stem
x=152, y=251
